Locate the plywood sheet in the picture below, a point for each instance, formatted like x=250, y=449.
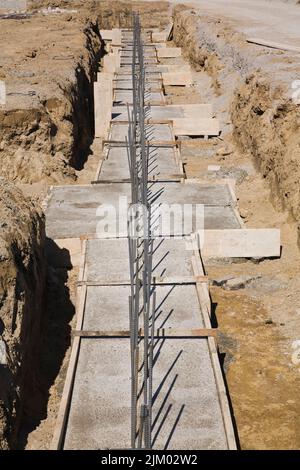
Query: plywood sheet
x=168, y=52
x=242, y=243
x=199, y=127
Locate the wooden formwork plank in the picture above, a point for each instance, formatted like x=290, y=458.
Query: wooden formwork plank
x=83, y=260
x=114, y=35
x=274, y=45
x=240, y=243
x=159, y=333
x=151, y=143
x=205, y=305
x=103, y=95
x=168, y=52
x=157, y=178
x=155, y=280
x=61, y=419
x=179, y=78
x=111, y=62
x=199, y=127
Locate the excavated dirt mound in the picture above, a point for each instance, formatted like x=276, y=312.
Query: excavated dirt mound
x=22, y=282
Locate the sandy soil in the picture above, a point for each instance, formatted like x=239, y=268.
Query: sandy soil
x=276, y=20
x=22, y=289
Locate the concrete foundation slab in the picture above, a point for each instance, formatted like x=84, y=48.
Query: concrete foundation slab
x=72, y=210
x=127, y=84
x=148, y=54
x=177, y=78
x=191, y=193
x=171, y=258
x=155, y=132
x=102, y=99
x=127, y=76
x=186, y=409
x=161, y=162
x=100, y=407
x=106, y=307
x=112, y=35
x=127, y=60
x=244, y=243
x=158, y=68
x=188, y=111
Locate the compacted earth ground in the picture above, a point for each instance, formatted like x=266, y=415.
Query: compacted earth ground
x=48, y=63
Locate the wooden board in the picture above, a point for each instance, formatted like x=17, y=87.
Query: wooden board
x=199, y=127
x=171, y=111
x=274, y=45
x=179, y=78
x=168, y=52
x=159, y=333
x=111, y=62
x=102, y=102
x=241, y=243
x=113, y=35
x=205, y=304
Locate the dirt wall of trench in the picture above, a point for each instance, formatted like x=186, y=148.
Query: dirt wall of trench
x=22, y=284
x=267, y=124
x=46, y=126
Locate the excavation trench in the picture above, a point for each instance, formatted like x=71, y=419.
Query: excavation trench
x=39, y=145
x=53, y=143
